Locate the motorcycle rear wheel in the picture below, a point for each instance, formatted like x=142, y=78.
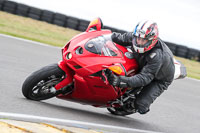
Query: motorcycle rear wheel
x=37, y=86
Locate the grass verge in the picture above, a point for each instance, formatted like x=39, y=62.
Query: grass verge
x=58, y=36
x=34, y=30
x=193, y=67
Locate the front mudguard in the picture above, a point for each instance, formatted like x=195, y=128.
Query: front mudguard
x=68, y=78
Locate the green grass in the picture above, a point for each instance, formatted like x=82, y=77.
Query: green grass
x=58, y=36
x=193, y=67
x=35, y=30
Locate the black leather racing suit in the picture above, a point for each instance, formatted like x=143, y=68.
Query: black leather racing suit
x=156, y=71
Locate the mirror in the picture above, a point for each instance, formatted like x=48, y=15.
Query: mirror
x=95, y=24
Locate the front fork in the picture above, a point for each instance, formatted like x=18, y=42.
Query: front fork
x=69, y=76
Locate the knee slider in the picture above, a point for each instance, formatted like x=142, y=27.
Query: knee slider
x=141, y=108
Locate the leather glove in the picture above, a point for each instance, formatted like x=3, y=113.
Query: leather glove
x=113, y=79
x=116, y=81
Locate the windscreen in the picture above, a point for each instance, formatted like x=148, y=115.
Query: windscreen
x=102, y=45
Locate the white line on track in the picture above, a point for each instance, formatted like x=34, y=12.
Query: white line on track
x=193, y=79
x=33, y=118
x=29, y=41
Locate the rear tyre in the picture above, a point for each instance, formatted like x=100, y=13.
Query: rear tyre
x=120, y=111
x=38, y=85
x=128, y=108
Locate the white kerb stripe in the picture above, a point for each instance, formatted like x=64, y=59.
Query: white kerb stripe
x=70, y=122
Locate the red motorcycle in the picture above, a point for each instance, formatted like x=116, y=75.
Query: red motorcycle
x=82, y=74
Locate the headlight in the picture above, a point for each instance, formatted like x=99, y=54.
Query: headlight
x=69, y=56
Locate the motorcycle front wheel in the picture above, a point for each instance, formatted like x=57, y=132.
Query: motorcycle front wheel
x=39, y=84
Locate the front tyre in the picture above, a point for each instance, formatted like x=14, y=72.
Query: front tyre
x=39, y=84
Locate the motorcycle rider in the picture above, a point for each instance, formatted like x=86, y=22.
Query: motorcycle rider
x=155, y=60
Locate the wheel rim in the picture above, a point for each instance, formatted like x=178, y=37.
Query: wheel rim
x=42, y=90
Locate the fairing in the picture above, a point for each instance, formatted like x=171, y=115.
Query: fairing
x=96, y=51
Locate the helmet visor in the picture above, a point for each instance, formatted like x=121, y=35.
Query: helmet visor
x=140, y=42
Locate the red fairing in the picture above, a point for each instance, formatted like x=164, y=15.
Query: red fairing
x=69, y=75
x=85, y=57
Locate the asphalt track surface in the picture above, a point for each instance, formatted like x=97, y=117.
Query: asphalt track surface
x=177, y=110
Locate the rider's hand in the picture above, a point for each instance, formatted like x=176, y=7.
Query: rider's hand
x=113, y=79
x=116, y=81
